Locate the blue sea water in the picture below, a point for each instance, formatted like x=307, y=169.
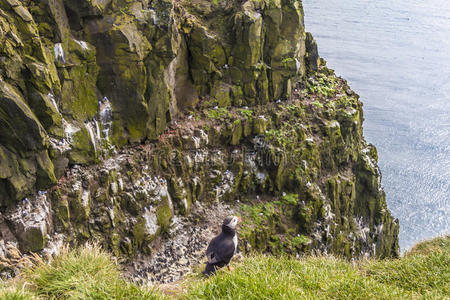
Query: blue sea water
x=396, y=55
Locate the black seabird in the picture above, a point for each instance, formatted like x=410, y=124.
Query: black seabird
x=222, y=248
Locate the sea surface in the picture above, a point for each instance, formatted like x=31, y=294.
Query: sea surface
x=396, y=55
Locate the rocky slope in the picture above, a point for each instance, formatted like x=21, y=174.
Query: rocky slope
x=119, y=117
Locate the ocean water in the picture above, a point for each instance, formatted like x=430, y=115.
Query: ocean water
x=396, y=55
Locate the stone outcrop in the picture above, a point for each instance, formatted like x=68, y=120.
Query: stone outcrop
x=123, y=114
x=148, y=59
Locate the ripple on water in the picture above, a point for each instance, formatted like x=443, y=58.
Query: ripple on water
x=394, y=53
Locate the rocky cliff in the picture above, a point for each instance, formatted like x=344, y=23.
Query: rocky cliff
x=118, y=117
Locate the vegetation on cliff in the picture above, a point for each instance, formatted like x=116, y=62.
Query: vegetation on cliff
x=89, y=273
x=121, y=117
x=299, y=171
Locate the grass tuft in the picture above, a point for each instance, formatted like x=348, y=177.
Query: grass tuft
x=439, y=244
x=90, y=273
x=16, y=293
x=85, y=273
x=425, y=270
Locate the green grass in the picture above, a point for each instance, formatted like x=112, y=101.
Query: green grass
x=218, y=113
x=440, y=244
x=284, y=278
x=422, y=273
x=246, y=113
x=16, y=293
x=85, y=273
x=89, y=273
x=425, y=270
x=290, y=199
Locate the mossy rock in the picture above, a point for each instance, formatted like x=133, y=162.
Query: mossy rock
x=164, y=214
x=83, y=149
x=33, y=239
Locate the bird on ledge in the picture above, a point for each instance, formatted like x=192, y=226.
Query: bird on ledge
x=222, y=248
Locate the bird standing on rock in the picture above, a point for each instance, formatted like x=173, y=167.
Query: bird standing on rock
x=222, y=248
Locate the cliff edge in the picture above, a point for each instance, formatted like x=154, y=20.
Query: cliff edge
x=120, y=118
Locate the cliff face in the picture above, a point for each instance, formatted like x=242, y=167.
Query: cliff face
x=225, y=99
